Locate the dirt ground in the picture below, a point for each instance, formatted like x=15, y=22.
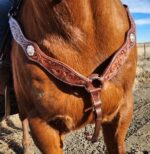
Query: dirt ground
x=137, y=140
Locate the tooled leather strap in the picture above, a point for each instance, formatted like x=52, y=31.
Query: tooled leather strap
x=122, y=54
x=93, y=84
x=55, y=67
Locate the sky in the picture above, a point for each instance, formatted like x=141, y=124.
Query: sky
x=140, y=10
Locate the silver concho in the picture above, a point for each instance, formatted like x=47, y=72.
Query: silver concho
x=30, y=50
x=132, y=37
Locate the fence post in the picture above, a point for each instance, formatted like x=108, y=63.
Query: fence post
x=144, y=50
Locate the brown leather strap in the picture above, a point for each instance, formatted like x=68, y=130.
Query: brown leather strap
x=98, y=114
x=94, y=88
x=55, y=67
x=122, y=54
x=58, y=69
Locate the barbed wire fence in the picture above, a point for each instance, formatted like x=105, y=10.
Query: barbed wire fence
x=144, y=50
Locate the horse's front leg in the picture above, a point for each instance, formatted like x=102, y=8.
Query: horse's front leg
x=26, y=142
x=47, y=139
x=115, y=131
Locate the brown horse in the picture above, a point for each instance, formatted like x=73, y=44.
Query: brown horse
x=82, y=34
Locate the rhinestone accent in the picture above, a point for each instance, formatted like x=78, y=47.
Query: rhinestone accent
x=132, y=37
x=30, y=50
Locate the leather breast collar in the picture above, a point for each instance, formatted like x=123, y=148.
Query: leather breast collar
x=92, y=84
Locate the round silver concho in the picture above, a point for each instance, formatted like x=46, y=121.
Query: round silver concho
x=30, y=50
x=132, y=37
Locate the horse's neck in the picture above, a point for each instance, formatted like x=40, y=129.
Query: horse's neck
x=95, y=28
